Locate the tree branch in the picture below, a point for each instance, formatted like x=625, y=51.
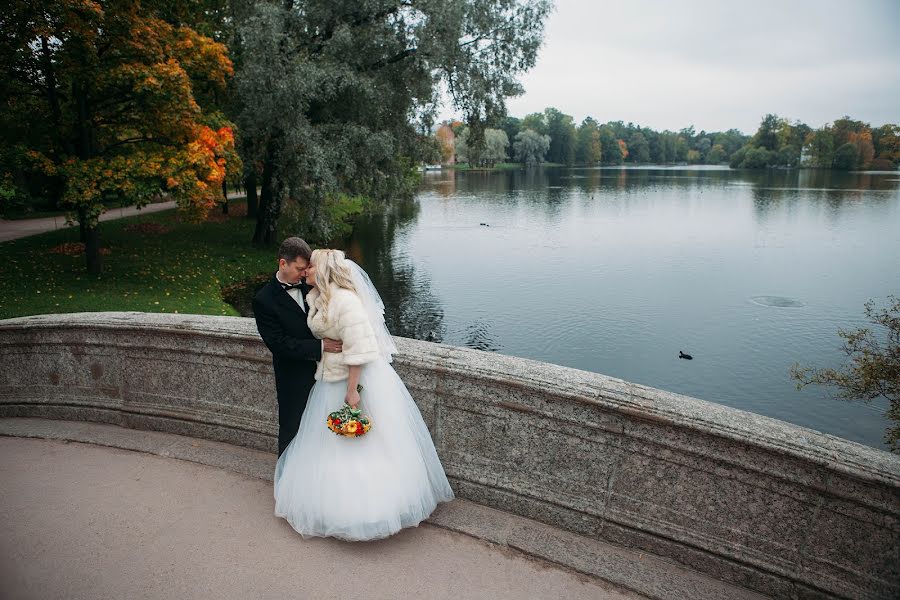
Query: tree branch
x=394, y=59
x=137, y=140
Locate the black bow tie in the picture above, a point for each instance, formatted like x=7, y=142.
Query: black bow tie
x=291, y=286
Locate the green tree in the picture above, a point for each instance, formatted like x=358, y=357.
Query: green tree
x=495, y=143
x=588, y=149
x=638, y=148
x=767, y=134
x=511, y=126
x=336, y=94
x=758, y=158
x=610, y=150
x=461, y=146
x=874, y=368
x=530, y=147
x=666, y=143
x=704, y=146
x=731, y=141
x=534, y=122
x=820, y=144
x=777, y=142
x=492, y=151
x=794, y=134
x=561, y=129
x=846, y=157
x=788, y=156
x=684, y=143
x=682, y=146
x=716, y=155
x=738, y=157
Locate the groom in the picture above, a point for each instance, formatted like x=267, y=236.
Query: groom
x=280, y=310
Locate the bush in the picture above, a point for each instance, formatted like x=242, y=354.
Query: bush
x=329, y=221
x=882, y=164
x=846, y=157
x=758, y=158
x=737, y=158
x=789, y=156
x=716, y=155
x=12, y=201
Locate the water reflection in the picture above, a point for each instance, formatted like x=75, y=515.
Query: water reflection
x=614, y=270
x=478, y=335
x=411, y=309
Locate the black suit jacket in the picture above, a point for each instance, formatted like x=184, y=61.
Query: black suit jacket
x=282, y=325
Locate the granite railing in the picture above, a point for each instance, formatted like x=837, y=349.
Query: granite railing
x=784, y=510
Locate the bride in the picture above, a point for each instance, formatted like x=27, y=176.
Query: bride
x=356, y=488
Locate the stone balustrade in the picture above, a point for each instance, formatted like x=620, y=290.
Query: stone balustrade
x=776, y=508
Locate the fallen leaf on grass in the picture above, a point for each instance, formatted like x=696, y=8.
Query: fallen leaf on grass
x=74, y=249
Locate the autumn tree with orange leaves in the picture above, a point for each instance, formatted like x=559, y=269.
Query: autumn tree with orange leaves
x=100, y=104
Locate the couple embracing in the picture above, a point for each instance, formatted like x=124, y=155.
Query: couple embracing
x=323, y=321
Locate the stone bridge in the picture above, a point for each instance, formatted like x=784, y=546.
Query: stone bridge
x=596, y=469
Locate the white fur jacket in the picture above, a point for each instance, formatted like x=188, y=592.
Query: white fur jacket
x=347, y=321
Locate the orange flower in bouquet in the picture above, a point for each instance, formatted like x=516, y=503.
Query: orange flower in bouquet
x=349, y=422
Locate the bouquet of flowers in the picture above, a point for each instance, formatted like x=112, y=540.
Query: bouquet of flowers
x=349, y=422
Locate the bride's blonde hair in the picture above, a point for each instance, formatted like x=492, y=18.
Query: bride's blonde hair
x=332, y=269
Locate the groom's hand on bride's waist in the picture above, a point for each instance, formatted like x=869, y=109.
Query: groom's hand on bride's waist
x=330, y=345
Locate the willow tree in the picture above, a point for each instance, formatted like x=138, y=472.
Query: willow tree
x=102, y=104
x=338, y=95
x=530, y=147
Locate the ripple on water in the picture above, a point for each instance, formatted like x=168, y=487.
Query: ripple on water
x=777, y=301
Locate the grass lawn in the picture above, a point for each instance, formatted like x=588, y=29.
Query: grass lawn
x=156, y=263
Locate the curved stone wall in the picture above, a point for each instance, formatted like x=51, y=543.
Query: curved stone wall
x=774, y=507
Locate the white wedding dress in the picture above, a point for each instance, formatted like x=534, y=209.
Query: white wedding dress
x=367, y=487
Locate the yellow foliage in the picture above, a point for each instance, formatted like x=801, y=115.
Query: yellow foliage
x=148, y=135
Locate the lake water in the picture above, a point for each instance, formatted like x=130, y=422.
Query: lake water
x=617, y=270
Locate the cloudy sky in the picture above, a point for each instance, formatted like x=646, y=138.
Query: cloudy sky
x=718, y=64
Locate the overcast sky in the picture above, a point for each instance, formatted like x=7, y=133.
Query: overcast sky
x=717, y=64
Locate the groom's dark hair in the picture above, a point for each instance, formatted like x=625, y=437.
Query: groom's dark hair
x=293, y=247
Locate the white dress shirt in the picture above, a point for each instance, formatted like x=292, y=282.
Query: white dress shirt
x=294, y=293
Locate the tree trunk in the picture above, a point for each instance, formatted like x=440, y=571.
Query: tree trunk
x=225, y=197
x=274, y=210
x=51, y=83
x=92, y=251
x=90, y=236
x=264, y=214
x=252, y=200
x=50, y=79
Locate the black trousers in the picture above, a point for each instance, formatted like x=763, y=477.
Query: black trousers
x=292, y=398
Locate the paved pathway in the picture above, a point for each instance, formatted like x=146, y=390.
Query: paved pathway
x=12, y=230
x=84, y=521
